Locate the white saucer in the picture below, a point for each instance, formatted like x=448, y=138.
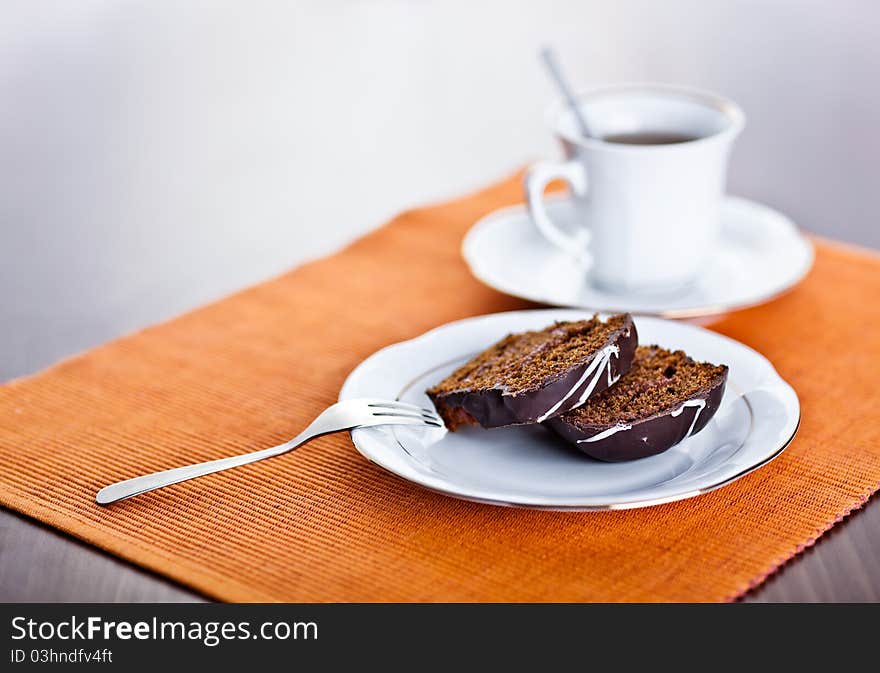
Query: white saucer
x=760, y=255
x=531, y=467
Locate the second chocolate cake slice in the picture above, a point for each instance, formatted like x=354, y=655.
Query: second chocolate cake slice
x=533, y=376
x=665, y=397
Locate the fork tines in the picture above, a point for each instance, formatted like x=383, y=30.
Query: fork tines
x=394, y=408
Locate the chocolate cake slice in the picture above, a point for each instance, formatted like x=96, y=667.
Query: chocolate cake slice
x=533, y=376
x=663, y=398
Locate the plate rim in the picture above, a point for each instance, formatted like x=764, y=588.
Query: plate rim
x=707, y=310
x=622, y=505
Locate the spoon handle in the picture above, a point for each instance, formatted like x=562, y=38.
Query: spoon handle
x=548, y=56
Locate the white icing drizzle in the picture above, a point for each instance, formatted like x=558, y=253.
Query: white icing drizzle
x=600, y=362
x=620, y=427
x=700, y=404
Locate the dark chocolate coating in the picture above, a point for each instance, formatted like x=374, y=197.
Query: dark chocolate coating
x=647, y=437
x=495, y=408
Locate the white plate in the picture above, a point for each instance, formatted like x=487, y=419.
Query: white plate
x=760, y=255
x=531, y=467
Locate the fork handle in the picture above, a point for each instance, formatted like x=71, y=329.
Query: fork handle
x=150, y=482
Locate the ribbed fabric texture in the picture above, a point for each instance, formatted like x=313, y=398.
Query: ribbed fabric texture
x=323, y=524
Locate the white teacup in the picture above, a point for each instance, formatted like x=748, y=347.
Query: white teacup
x=647, y=214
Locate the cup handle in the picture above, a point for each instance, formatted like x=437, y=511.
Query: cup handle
x=538, y=176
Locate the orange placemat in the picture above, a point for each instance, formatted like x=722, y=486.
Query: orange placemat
x=322, y=524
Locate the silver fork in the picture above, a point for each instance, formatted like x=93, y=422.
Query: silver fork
x=358, y=413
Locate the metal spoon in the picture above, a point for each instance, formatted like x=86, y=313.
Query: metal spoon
x=551, y=62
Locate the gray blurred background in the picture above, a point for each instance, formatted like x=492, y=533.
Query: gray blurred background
x=158, y=155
